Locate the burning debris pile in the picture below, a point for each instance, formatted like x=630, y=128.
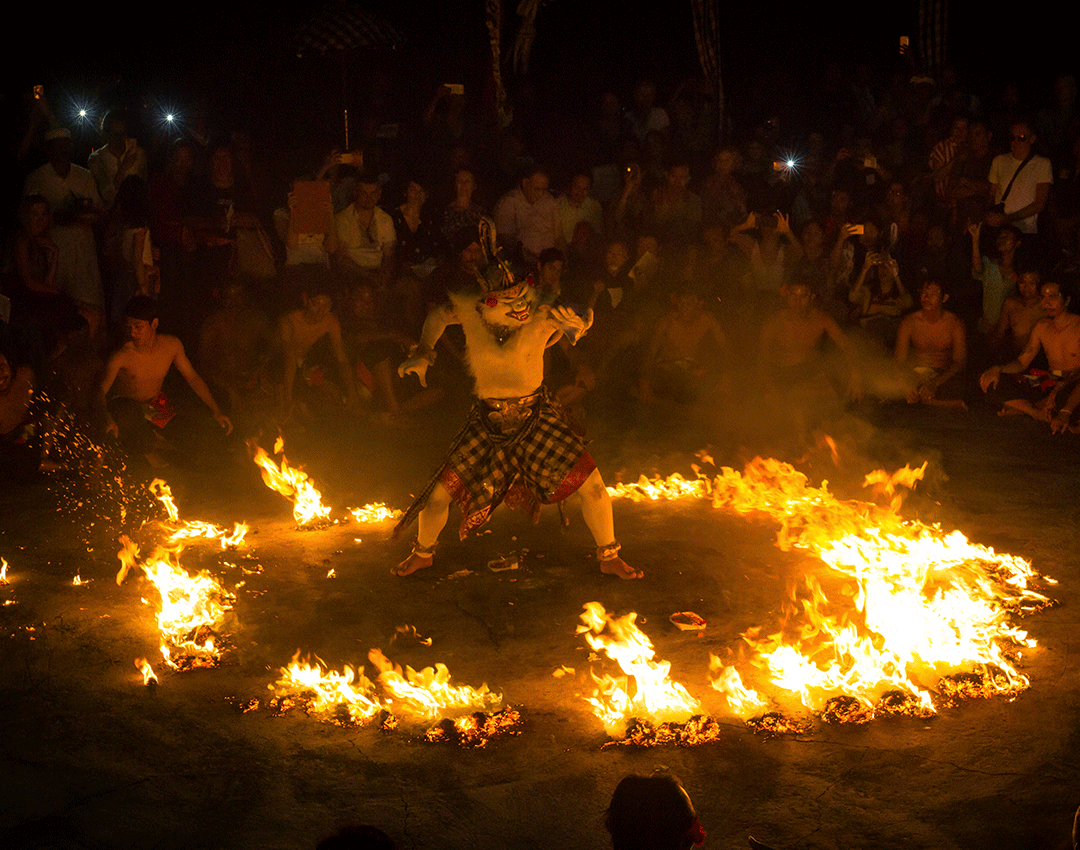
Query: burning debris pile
x=645, y=701
x=414, y=698
x=901, y=618
x=192, y=609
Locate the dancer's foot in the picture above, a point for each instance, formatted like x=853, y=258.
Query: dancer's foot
x=411, y=564
x=618, y=567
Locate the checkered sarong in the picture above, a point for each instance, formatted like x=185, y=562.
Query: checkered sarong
x=520, y=451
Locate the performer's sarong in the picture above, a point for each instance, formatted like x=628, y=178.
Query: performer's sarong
x=521, y=451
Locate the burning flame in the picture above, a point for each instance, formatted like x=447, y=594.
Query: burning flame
x=192, y=608
x=654, y=696
x=901, y=618
x=422, y=697
x=346, y=698
x=427, y=695
x=376, y=512
x=148, y=674
x=193, y=529
x=3, y=571
x=294, y=483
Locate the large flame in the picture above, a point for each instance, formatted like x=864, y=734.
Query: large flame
x=646, y=690
x=293, y=483
x=192, y=608
x=901, y=618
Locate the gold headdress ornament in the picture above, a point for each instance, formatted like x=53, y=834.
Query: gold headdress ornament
x=495, y=275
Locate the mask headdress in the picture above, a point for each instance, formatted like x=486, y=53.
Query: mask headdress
x=495, y=274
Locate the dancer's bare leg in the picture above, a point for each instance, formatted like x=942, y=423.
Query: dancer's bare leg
x=596, y=511
x=432, y=520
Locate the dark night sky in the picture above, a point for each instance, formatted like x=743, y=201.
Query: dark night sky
x=241, y=55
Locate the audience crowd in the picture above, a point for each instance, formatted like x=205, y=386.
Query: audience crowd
x=921, y=247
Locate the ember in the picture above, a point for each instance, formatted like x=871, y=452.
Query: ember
x=308, y=509
x=642, y=732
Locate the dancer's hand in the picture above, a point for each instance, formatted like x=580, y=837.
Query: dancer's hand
x=415, y=366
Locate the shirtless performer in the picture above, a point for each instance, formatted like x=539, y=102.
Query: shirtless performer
x=790, y=338
x=674, y=366
x=1018, y=316
x=136, y=372
x=1057, y=334
x=300, y=330
x=935, y=340
x=515, y=445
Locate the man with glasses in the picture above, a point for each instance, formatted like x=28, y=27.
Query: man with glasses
x=1021, y=182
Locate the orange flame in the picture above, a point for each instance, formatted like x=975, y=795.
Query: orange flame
x=655, y=696
x=148, y=674
x=427, y=695
x=346, y=698
x=193, y=529
x=920, y=613
x=376, y=512
x=192, y=607
x=3, y=571
x=290, y=482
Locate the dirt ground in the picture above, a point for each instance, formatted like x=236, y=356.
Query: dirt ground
x=90, y=758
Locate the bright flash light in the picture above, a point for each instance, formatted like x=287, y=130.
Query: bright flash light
x=791, y=163
x=82, y=113
x=170, y=117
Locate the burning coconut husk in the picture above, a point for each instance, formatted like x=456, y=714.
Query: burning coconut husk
x=308, y=508
x=645, y=698
x=192, y=609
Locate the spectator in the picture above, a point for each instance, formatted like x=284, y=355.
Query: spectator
x=529, y=215
x=1021, y=181
x=76, y=207
x=119, y=158
x=645, y=116
x=998, y=276
x=578, y=208
x=365, y=234
x=652, y=813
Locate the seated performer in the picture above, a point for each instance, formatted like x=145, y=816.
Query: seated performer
x=515, y=445
x=1035, y=392
x=138, y=409
x=931, y=351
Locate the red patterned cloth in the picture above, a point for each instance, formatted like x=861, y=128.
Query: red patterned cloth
x=521, y=451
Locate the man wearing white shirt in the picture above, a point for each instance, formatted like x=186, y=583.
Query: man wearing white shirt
x=1030, y=189
x=76, y=205
x=119, y=158
x=365, y=233
x=529, y=215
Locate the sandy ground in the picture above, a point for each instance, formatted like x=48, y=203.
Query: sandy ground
x=90, y=758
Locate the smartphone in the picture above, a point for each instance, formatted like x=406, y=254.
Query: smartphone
x=857, y=230
x=905, y=42
x=870, y=162
x=39, y=92
x=455, y=88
